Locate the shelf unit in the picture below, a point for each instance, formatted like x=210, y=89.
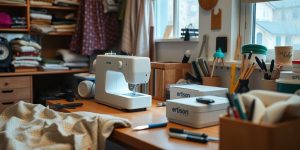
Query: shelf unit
x=13, y=30
x=15, y=7
x=10, y=74
x=27, y=7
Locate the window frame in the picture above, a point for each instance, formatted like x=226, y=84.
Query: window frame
x=176, y=33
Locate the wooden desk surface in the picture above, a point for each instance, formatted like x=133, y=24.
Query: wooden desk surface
x=156, y=138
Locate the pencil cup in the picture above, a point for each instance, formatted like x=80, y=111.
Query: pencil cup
x=212, y=81
x=243, y=86
x=269, y=85
x=283, y=55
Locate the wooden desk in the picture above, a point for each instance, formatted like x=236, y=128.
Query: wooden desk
x=156, y=138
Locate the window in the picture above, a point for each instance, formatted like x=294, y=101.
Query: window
x=278, y=22
x=259, y=38
x=175, y=14
x=278, y=40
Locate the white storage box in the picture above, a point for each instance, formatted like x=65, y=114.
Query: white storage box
x=193, y=90
x=189, y=112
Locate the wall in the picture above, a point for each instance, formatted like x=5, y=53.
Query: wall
x=172, y=51
x=229, y=29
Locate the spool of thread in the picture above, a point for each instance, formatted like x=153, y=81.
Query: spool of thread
x=86, y=89
x=186, y=56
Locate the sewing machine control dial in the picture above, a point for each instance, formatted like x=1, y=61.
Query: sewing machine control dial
x=120, y=64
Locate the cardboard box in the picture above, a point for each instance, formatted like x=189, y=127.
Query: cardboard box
x=194, y=90
x=244, y=135
x=163, y=74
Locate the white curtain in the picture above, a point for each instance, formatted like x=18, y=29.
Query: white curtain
x=136, y=29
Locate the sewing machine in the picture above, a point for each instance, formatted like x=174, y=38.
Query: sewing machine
x=114, y=73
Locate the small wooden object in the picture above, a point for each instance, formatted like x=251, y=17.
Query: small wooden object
x=238, y=48
x=237, y=135
x=208, y=4
x=163, y=74
x=216, y=20
x=212, y=81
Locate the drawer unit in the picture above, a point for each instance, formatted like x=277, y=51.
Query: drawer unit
x=14, y=89
x=15, y=82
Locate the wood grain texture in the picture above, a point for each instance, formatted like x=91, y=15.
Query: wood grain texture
x=216, y=20
x=259, y=137
x=165, y=74
x=15, y=82
x=14, y=89
x=9, y=74
x=146, y=139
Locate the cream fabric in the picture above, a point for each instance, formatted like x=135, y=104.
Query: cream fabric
x=31, y=126
x=270, y=107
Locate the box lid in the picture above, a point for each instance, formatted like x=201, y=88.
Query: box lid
x=289, y=75
x=206, y=90
x=220, y=103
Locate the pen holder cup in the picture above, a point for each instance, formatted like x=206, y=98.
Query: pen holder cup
x=269, y=85
x=243, y=86
x=244, y=135
x=212, y=81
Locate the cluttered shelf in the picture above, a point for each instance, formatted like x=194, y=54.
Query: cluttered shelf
x=44, y=72
x=54, y=7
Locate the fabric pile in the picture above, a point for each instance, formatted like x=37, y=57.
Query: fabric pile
x=40, y=17
x=19, y=22
x=68, y=3
x=41, y=2
x=13, y=1
x=72, y=60
x=26, y=53
x=31, y=126
x=43, y=22
x=8, y=21
x=53, y=64
x=5, y=20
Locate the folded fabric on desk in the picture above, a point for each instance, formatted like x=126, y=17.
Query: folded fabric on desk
x=32, y=126
x=271, y=107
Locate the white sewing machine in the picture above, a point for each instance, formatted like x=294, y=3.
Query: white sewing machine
x=114, y=73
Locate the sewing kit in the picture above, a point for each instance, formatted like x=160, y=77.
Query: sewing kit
x=196, y=112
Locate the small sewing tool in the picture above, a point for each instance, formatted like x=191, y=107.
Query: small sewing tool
x=218, y=57
x=149, y=126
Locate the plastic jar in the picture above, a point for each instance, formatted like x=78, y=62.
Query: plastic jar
x=259, y=51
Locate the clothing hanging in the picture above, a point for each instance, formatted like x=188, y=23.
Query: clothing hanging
x=95, y=31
